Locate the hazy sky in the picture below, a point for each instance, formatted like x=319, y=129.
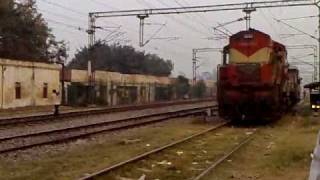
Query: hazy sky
x=65, y=17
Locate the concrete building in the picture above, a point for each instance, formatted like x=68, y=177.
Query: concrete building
x=27, y=83
x=113, y=88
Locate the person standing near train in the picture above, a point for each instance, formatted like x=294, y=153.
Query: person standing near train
x=56, y=102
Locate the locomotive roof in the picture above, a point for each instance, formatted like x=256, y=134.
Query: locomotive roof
x=293, y=68
x=313, y=85
x=277, y=44
x=240, y=33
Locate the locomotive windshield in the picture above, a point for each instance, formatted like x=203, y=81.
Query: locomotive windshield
x=250, y=47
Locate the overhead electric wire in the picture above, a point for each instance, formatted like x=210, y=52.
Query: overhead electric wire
x=62, y=15
x=302, y=63
x=115, y=8
x=304, y=56
x=180, y=22
x=296, y=29
x=131, y=29
x=202, y=17
x=154, y=34
x=303, y=17
x=69, y=9
x=102, y=28
x=270, y=23
x=273, y=16
x=105, y=4
x=74, y=27
x=177, y=20
x=65, y=8
x=115, y=36
x=191, y=17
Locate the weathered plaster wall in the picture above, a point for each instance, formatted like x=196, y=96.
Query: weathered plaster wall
x=31, y=75
x=112, y=80
x=106, y=77
x=50, y=76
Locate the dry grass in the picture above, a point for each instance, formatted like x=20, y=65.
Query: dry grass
x=280, y=152
x=196, y=155
x=78, y=159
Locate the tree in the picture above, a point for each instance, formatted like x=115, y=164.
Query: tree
x=25, y=35
x=123, y=59
x=181, y=86
x=199, y=89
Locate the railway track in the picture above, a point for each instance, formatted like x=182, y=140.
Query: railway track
x=20, y=142
x=49, y=117
x=103, y=173
x=204, y=173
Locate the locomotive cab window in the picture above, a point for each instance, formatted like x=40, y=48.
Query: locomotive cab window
x=248, y=36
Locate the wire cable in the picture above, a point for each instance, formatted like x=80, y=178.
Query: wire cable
x=297, y=29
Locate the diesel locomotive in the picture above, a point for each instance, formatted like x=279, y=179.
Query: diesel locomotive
x=255, y=80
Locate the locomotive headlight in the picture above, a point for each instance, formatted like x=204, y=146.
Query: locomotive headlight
x=318, y=107
x=313, y=106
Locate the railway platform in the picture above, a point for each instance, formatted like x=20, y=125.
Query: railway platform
x=48, y=110
x=40, y=110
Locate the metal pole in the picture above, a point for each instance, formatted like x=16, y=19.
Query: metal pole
x=317, y=4
x=91, y=42
x=315, y=64
x=194, y=60
x=141, y=29
x=63, y=93
x=194, y=66
x=141, y=32
x=2, y=85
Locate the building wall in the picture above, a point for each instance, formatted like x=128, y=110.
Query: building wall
x=79, y=76
x=110, y=87
x=31, y=76
x=111, y=81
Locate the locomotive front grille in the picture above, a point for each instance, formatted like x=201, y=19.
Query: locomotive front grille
x=248, y=73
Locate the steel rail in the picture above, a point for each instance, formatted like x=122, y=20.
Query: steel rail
x=50, y=117
x=63, y=135
x=97, y=124
x=144, y=155
x=225, y=157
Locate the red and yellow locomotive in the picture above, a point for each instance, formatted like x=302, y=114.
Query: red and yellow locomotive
x=253, y=79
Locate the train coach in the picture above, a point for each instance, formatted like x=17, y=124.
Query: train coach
x=253, y=80
x=314, y=90
x=292, y=92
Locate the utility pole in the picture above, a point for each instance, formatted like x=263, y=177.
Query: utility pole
x=141, y=29
x=318, y=6
x=315, y=52
x=194, y=67
x=91, y=71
